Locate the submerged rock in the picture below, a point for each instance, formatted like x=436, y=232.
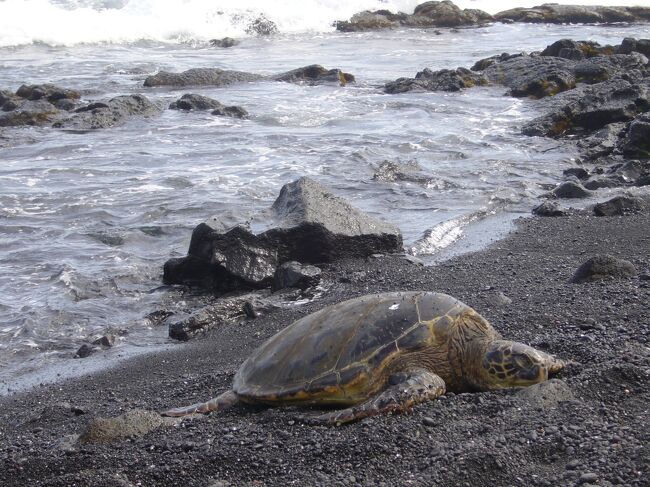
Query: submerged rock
x=553, y=13
x=316, y=74
x=603, y=267
x=442, y=80
x=200, y=77
x=313, y=75
x=190, y=101
x=115, y=111
x=309, y=225
x=225, y=42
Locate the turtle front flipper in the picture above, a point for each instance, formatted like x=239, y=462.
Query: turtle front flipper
x=411, y=388
x=219, y=403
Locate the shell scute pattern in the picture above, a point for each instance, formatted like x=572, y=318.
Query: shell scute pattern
x=343, y=348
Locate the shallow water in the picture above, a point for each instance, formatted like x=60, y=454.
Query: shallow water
x=87, y=220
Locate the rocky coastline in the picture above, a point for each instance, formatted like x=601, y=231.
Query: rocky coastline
x=573, y=282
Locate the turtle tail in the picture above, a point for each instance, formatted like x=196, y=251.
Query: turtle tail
x=219, y=403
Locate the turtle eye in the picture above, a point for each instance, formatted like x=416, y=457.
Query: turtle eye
x=523, y=361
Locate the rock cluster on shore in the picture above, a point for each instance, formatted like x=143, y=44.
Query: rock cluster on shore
x=598, y=95
x=446, y=14
x=308, y=225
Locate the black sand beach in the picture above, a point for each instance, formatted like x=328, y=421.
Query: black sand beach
x=590, y=427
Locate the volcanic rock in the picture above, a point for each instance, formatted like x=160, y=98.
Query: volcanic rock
x=190, y=101
x=48, y=92
x=602, y=142
x=224, y=310
x=534, y=76
x=262, y=27
x=570, y=190
x=553, y=13
x=636, y=140
x=295, y=274
x=630, y=44
x=620, y=205
x=442, y=80
x=366, y=20
x=310, y=226
x=428, y=14
x=590, y=108
x=37, y=113
x=115, y=111
x=446, y=14
x=200, y=77
x=602, y=267
x=315, y=75
x=549, y=208
x=225, y=42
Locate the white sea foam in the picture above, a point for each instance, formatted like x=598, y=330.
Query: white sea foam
x=70, y=22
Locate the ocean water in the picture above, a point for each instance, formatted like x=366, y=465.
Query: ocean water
x=88, y=220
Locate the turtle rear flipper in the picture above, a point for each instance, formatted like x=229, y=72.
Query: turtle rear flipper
x=219, y=403
x=416, y=386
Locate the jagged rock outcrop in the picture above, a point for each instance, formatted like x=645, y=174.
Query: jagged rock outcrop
x=442, y=80
x=44, y=105
x=428, y=14
x=589, y=108
x=200, y=77
x=115, y=111
x=192, y=101
x=309, y=225
x=313, y=74
x=553, y=13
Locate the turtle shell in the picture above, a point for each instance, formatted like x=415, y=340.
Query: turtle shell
x=338, y=354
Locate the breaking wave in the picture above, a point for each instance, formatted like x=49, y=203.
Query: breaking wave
x=71, y=22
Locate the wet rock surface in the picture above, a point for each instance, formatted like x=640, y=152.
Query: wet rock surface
x=114, y=112
x=427, y=14
x=310, y=225
x=316, y=74
x=200, y=77
x=553, y=434
x=313, y=74
x=442, y=80
x=191, y=101
x=552, y=13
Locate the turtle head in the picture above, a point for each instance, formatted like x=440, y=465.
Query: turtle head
x=513, y=364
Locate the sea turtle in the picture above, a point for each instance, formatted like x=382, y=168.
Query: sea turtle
x=381, y=353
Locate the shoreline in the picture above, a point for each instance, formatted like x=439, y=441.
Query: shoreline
x=603, y=326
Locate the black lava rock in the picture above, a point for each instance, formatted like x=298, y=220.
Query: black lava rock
x=602, y=267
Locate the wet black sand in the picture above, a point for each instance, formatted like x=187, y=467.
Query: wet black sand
x=591, y=428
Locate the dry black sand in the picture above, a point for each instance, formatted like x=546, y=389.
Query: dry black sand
x=591, y=428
